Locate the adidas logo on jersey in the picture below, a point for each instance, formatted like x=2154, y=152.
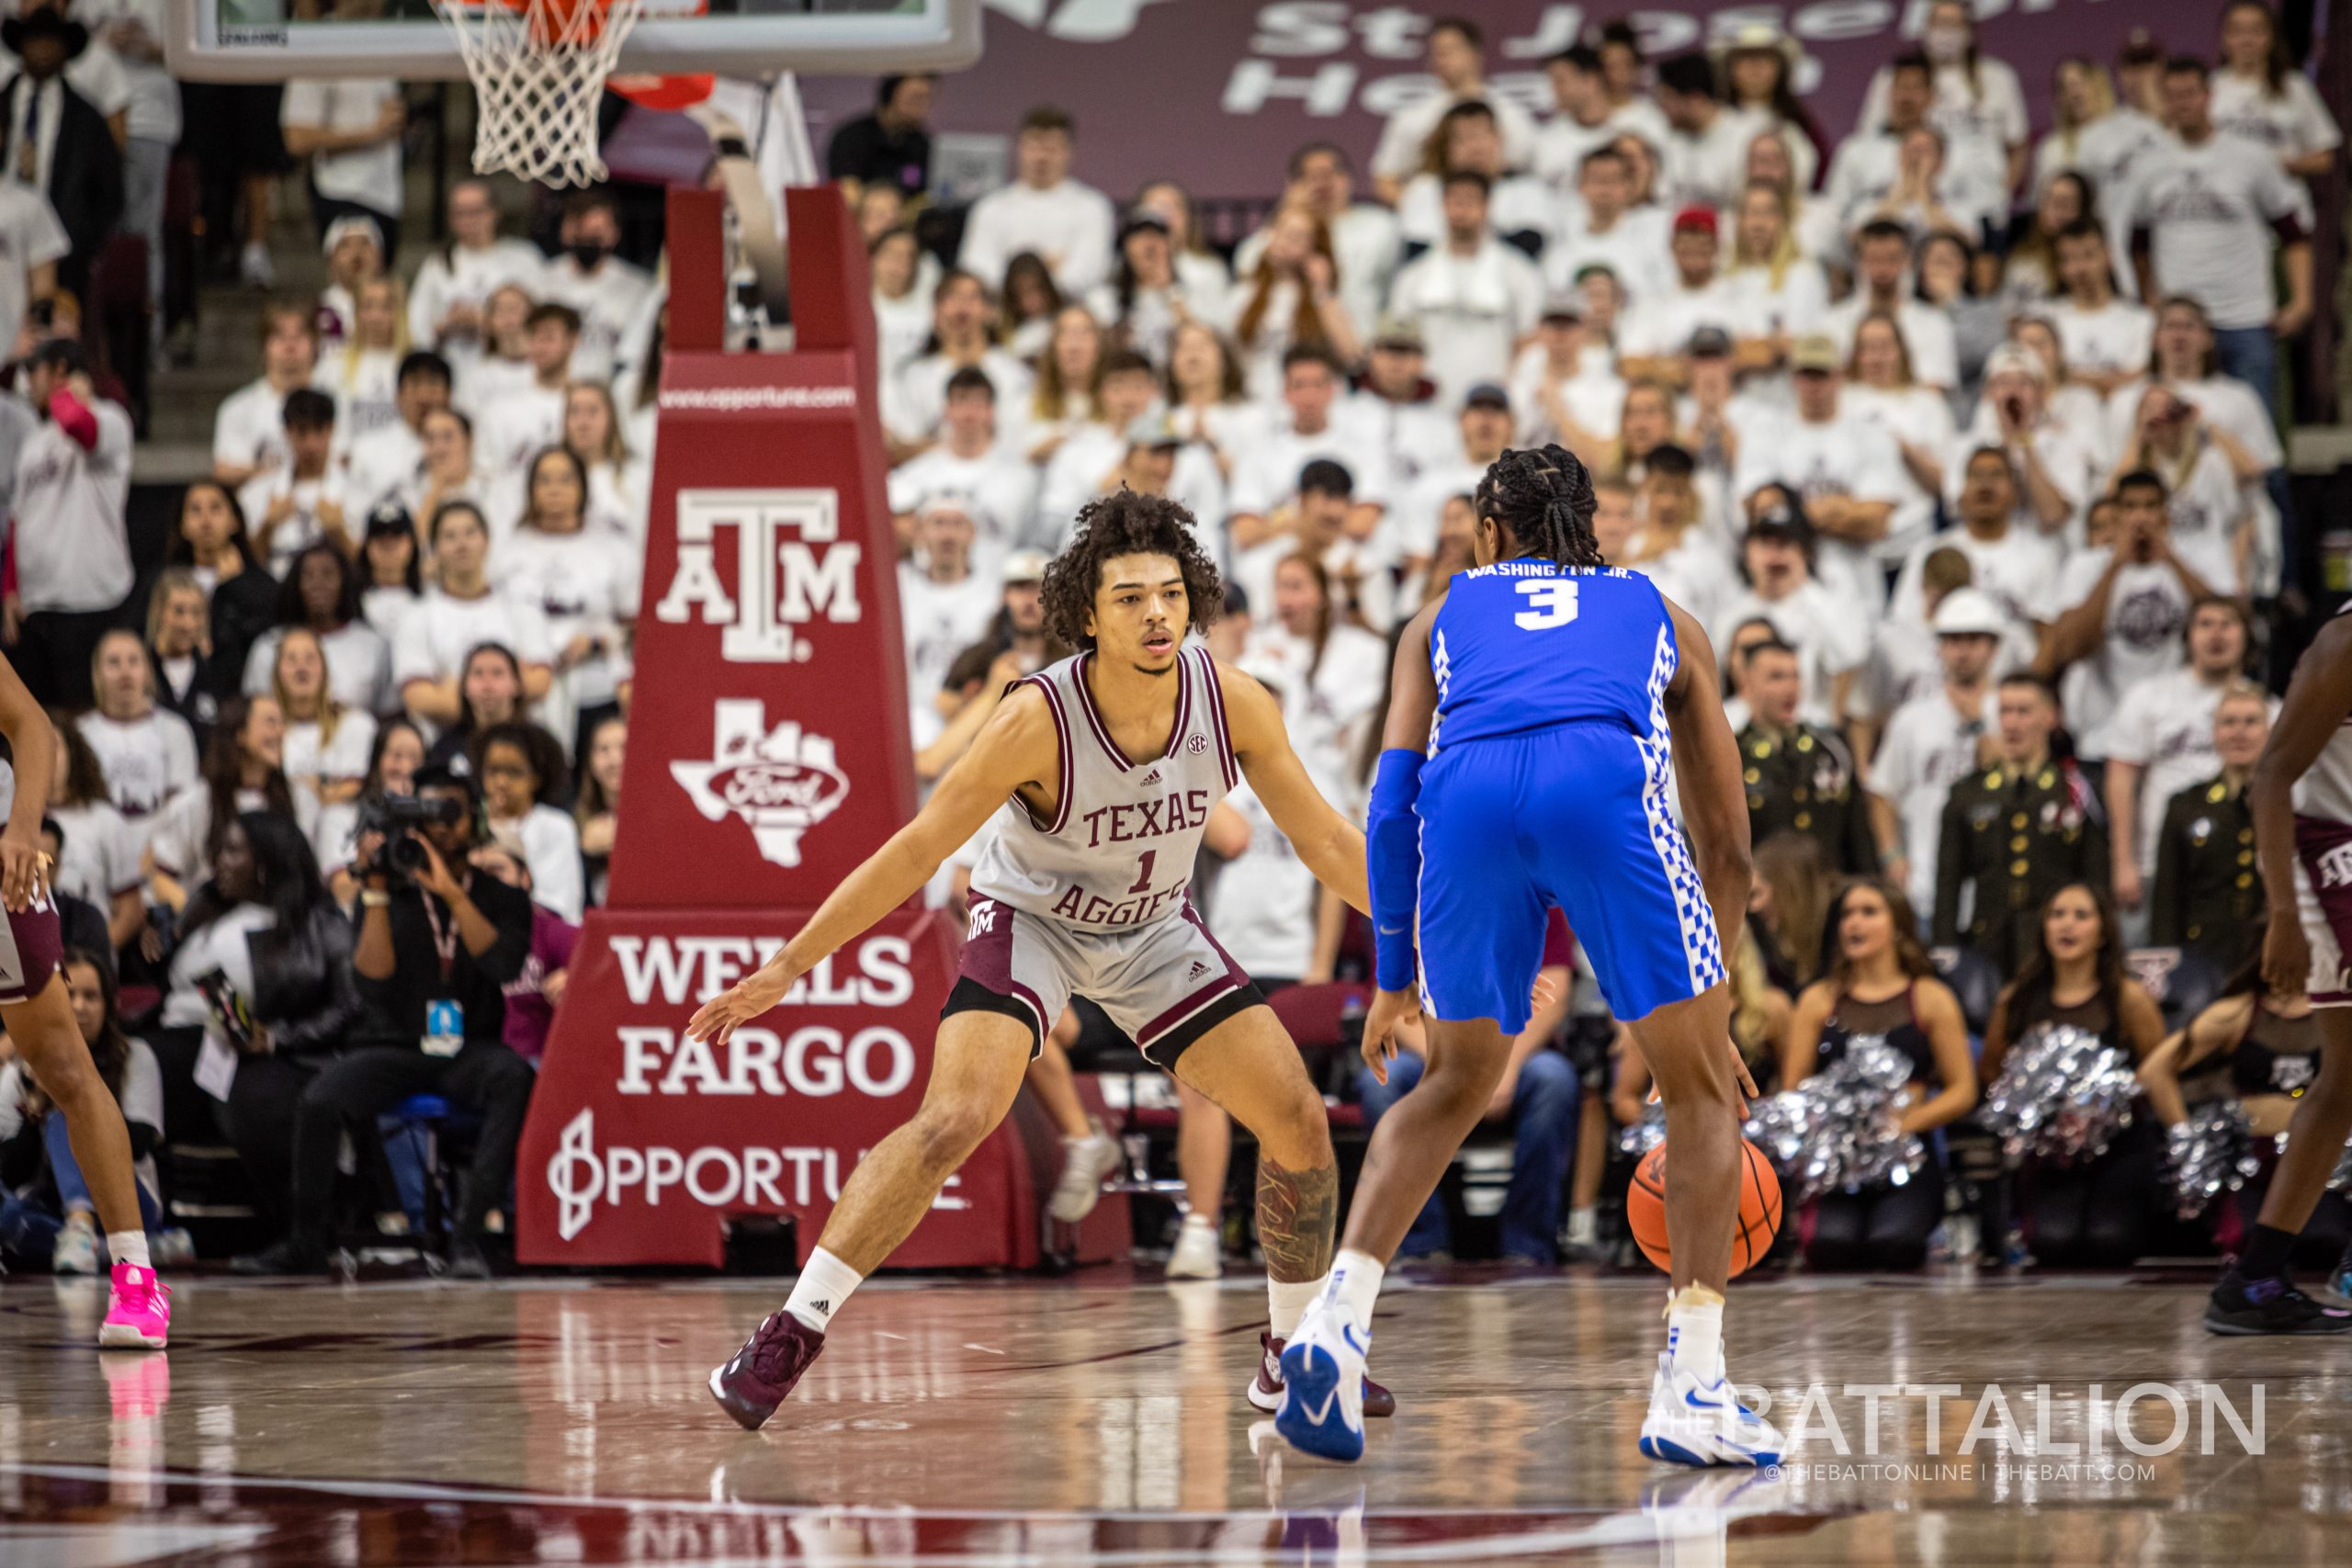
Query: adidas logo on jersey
x=1199, y=969
x=1152, y=777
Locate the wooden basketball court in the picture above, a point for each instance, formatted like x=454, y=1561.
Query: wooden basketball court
x=1102, y=1421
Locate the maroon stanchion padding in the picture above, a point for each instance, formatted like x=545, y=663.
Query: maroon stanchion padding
x=769, y=753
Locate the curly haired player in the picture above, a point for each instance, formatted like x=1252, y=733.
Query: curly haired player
x=1535, y=710
x=1099, y=774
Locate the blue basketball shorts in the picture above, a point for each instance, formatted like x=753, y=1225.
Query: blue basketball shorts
x=1573, y=816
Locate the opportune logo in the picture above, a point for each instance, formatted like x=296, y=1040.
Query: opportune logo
x=782, y=780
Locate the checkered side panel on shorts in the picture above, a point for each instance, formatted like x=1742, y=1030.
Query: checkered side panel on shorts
x=1701, y=948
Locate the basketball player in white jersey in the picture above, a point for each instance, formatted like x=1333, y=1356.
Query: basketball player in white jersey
x=1099, y=773
x=38, y=1016
x=2301, y=799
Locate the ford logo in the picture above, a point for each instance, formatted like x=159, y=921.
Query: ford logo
x=781, y=786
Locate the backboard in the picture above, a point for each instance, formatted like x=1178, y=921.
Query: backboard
x=271, y=40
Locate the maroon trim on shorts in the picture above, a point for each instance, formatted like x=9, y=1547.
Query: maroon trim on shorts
x=2321, y=843
x=988, y=959
x=40, y=943
x=1061, y=738
x=1234, y=978
x=1224, y=735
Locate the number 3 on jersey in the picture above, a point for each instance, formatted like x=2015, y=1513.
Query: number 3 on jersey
x=1555, y=603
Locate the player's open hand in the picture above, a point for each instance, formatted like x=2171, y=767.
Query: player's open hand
x=24, y=873
x=2286, y=958
x=1389, y=1009
x=717, y=1019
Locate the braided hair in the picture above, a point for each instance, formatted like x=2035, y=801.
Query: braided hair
x=1544, y=500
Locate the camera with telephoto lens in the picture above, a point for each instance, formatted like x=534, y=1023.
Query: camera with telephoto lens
x=400, y=855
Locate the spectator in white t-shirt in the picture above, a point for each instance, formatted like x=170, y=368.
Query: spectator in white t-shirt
x=98, y=860
x=1706, y=150
x=2105, y=338
x=1830, y=637
x=2212, y=524
x=2056, y=471
x=2260, y=95
x=944, y=606
x=320, y=595
x=1846, y=470
x=1580, y=124
x=2161, y=739
x=454, y=284
x=1883, y=254
x=1317, y=522
x=1978, y=99
x=461, y=611
x=517, y=767
x=1654, y=342
x=355, y=250
x=148, y=755
x=1482, y=431
x=1933, y=741
x=1068, y=225
x=1398, y=405
x=2119, y=611
x=1603, y=228
x=328, y=740
x=72, y=543
x=1562, y=392
x=503, y=363
x=589, y=276
x=1520, y=208
x=961, y=329
x=363, y=374
x=524, y=421
x=2204, y=211
x=1363, y=234
x=384, y=463
x=350, y=129
x=1292, y=297
x=249, y=431
x=1307, y=427
x=293, y=507
x=1472, y=296
x=998, y=487
x=1458, y=58
x=2093, y=134
x=584, y=580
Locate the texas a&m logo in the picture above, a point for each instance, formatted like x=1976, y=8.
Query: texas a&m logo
x=792, y=566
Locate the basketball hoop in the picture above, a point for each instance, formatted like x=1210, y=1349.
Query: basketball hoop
x=538, y=70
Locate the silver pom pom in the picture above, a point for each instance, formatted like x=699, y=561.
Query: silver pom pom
x=2208, y=1154
x=1842, y=1129
x=1640, y=1138
x=2063, y=1096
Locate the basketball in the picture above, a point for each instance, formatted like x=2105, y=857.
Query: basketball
x=1759, y=1209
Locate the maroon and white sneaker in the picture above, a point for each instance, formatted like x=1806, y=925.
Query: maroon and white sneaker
x=1266, y=1388
x=749, y=1387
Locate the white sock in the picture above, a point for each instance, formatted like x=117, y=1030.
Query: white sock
x=129, y=1247
x=824, y=1284
x=1584, y=1226
x=1355, y=1284
x=1287, y=1301
x=1694, y=1332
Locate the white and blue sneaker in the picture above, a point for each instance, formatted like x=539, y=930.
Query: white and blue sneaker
x=1322, y=1408
x=1698, y=1423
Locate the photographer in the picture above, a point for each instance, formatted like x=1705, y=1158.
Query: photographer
x=437, y=944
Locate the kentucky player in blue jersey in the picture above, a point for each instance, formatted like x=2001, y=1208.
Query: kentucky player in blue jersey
x=1537, y=709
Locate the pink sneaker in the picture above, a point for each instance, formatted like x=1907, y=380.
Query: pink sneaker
x=139, y=1315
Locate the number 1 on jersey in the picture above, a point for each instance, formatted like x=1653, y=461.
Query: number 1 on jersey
x=1143, y=875
x=1555, y=603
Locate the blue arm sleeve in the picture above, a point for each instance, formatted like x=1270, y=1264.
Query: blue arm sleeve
x=1393, y=862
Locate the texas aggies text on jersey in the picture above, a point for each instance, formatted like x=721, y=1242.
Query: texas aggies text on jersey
x=1119, y=851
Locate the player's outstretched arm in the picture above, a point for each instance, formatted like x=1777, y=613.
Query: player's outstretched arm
x=1706, y=766
x=1016, y=748
x=1327, y=843
x=2319, y=699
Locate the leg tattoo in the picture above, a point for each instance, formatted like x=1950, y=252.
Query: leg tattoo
x=1298, y=1214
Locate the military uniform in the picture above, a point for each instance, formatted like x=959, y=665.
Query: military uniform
x=2208, y=895
x=1802, y=780
x=2019, y=837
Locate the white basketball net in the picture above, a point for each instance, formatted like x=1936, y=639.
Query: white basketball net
x=538, y=75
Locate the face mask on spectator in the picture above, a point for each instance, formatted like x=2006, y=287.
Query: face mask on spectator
x=589, y=254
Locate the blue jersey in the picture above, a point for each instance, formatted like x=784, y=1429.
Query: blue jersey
x=1524, y=645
